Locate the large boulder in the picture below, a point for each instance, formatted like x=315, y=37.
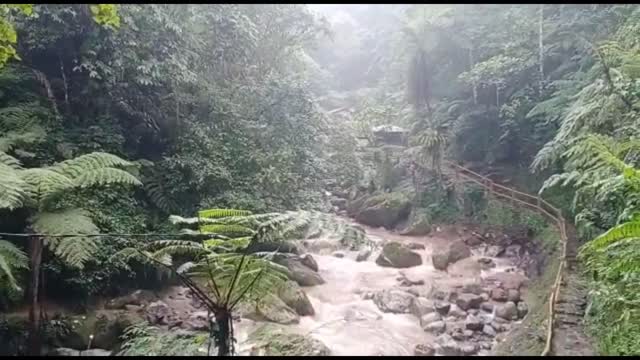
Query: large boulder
x=396, y=255
x=138, y=297
x=393, y=301
x=384, y=210
x=197, y=321
x=469, y=301
x=508, y=311
x=271, y=340
x=420, y=224
x=450, y=254
x=298, y=271
x=159, y=313
x=308, y=261
x=292, y=295
x=272, y=308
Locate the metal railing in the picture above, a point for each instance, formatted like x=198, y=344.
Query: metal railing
x=534, y=203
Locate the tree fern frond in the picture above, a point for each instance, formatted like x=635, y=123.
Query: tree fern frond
x=12, y=188
x=230, y=230
x=221, y=213
x=74, y=168
x=10, y=161
x=43, y=183
x=73, y=250
x=630, y=230
x=105, y=176
x=11, y=258
x=157, y=193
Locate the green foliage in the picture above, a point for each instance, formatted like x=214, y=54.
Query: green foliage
x=106, y=15
x=145, y=340
x=11, y=259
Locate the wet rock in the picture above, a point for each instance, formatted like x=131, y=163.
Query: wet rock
x=523, y=309
x=486, y=346
x=513, y=251
x=469, y=349
x=452, y=253
x=416, y=246
x=96, y=352
x=485, y=296
x=473, y=241
x=493, y=251
x=472, y=288
x=363, y=255
x=442, y=307
x=424, y=350
x=384, y=210
x=488, y=330
x=498, y=294
x=485, y=318
x=272, y=308
x=308, y=261
x=197, y=321
x=486, y=263
x=64, y=352
x=368, y=296
x=300, y=273
x=488, y=307
x=421, y=306
x=508, y=280
x=457, y=312
x=338, y=254
x=272, y=340
x=138, y=297
x=473, y=311
x=393, y=301
x=469, y=301
x=458, y=334
x=448, y=346
x=507, y=311
x=513, y=295
x=473, y=323
x=436, y=327
x=159, y=313
x=467, y=333
x=429, y=318
x=292, y=295
x=395, y=255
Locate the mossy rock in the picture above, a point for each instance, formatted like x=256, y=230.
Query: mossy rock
x=396, y=255
x=273, y=340
x=384, y=210
x=420, y=225
x=270, y=308
x=293, y=296
x=168, y=343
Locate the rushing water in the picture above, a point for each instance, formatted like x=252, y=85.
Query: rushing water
x=350, y=325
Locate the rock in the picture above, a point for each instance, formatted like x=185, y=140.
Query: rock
x=272, y=308
x=508, y=280
x=473, y=241
x=393, y=301
x=448, y=346
x=457, y=334
x=159, y=313
x=485, y=318
x=96, y=352
x=453, y=252
x=513, y=251
x=523, y=309
x=488, y=307
x=473, y=323
x=498, y=294
x=368, y=296
x=395, y=255
x=300, y=273
x=65, y=352
x=409, y=281
x=442, y=307
x=473, y=312
x=267, y=246
x=197, y=321
x=469, y=301
x=424, y=350
x=507, y=311
x=469, y=349
x=485, y=296
x=138, y=297
x=436, y=327
x=338, y=254
x=472, y=288
x=273, y=340
x=292, y=295
x=488, y=330
x=486, y=263
x=499, y=327
x=308, y=261
x=513, y=295
x=363, y=255
x=429, y=318
x=421, y=306
x=384, y=210
x=493, y=250
x=467, y=333
x=457, y=312
x=416, y=246
x=133, y=308
x=420, y=224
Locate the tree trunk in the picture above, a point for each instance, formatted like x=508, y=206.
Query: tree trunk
x=473, y=84
x=498, y=96
x=223, y=321
x=35, y=255
x=541, y=46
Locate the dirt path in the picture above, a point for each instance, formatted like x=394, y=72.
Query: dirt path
x=570, y=336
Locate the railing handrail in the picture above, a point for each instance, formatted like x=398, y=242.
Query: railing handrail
x=538, y=204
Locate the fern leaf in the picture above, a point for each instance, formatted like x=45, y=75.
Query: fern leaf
x=11, y=258
x=10, y=161
x=231, y=230
x=105, y=176
x=74, y=250
x=623, y=231
x=220, y=213
x=43, y=183
x=76, y=167
x=12, y=188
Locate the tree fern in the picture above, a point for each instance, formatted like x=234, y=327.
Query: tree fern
x=221, y=213
x=75, y=250
x=43, y=184
x=11, y=259
x=12, y=187
x=80, y=165
x=105, y=176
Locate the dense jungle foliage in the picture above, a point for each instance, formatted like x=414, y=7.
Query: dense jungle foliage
x=114, y=117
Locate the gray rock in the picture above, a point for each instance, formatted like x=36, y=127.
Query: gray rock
x=197, y=321
x=416, y=246
x=457, y=312
x=486, y=306
x=458, y=334
x=467, y=333
x=472, y=288
x=393, y=301
x=488, y=330
x=96, y=352
x=473, y=311
x=513, y=295
x=485, y=296
x=436, y=327
x=523, y=309
x=512, y=251
x=485, y=318
x=469, y=349
x=396, y=255
x=300, y=273
x=65, y=352
x=493, y=251
x=442, y=307
x=448, y=346
x=338, y=254
x=469, y=301
x=498, y=294
x=138, y=297
x=363, y=255
x=308, y=261
x=421, y=306
x=507, y=311
x=272, y=308
x=384, y=210
x=452, y=253
x=486, y=263
x=159, y=313
x=473, y=323
x=424, y=350
x=429, y=318
x=292, y=295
